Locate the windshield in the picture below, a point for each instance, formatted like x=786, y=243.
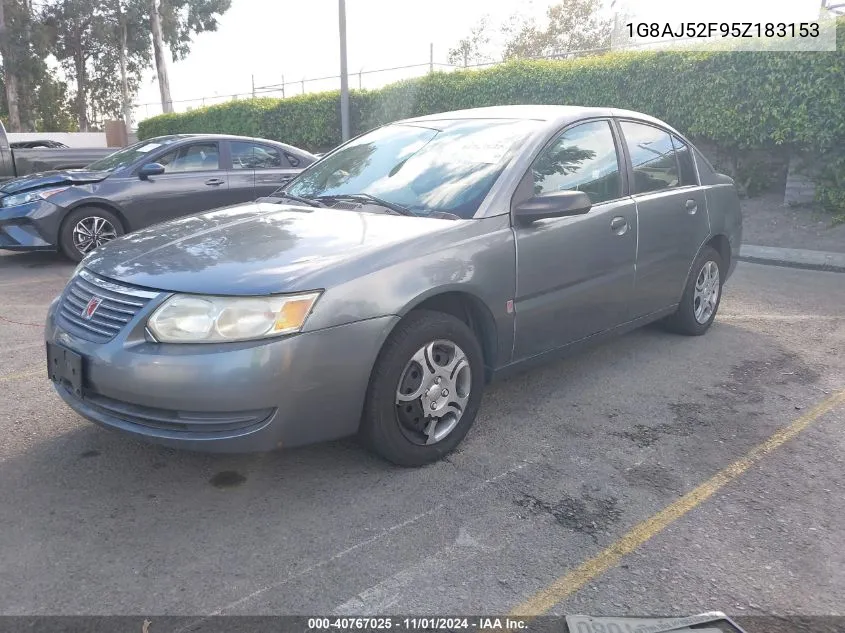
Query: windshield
x=129, y=155
x=422, y=169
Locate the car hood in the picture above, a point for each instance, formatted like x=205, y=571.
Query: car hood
x=51, y=178
x=258, y=248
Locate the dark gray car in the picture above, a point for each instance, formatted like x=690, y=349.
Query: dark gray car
x=393, y=278
x=152, y=181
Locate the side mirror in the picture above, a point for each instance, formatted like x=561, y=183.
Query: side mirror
x=552, y=205
x=151, y=169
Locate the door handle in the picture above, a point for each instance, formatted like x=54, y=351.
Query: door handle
x=214, y=182
x=692, y=206
x=619, y=225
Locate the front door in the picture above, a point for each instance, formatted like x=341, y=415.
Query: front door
x=672, y=211
x=193, y=181
x=575, y=274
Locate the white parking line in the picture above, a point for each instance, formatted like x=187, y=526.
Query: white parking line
x=341, y=554
x=385, y=595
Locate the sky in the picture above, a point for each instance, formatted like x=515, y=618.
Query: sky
x=269, y=39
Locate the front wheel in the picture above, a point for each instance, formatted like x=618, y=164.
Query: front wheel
x=702, y=295
x=85, y=229
x=425, y=389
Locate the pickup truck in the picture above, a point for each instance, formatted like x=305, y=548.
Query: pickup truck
x=22, y=162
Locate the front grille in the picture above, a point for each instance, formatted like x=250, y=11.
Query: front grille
x=119, y=304
x=177, y=421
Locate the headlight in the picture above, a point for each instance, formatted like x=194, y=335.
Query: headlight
x=31, y=196
x=201, y=319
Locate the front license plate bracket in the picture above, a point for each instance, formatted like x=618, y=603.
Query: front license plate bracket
x=64, y=367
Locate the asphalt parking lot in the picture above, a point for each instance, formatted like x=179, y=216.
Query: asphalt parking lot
x=564, y=463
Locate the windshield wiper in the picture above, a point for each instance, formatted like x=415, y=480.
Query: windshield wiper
x=368, y=198
x=311, y=202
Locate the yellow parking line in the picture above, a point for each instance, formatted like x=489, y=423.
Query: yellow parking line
x=571, y=582
x=22, y=374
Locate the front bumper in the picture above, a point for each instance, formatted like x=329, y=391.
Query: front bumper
x=232, y=397
x=32, y=226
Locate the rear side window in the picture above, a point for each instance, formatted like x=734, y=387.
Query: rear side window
x=255, y=156
x=652, y=156
x=583, y=158
x=685, y=161
x=294, y=161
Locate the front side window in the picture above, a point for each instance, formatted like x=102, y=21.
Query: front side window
x=195, y=157
x=583, y=158
x=442, y=166
x=129, y=155
x=255, y=156
x=652, y=157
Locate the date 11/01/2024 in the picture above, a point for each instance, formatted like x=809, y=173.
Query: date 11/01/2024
x=417, y=624
x=722, y=29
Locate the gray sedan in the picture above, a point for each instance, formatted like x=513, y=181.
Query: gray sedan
x=387, y=284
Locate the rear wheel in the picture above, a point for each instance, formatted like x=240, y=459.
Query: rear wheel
x=702, y=295
x=425, y=389
x=85, y=229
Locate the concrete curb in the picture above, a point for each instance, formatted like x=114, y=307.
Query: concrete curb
x=793, y=258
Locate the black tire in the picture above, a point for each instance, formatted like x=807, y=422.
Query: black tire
x=66, y=239
x=381, y=429
x=684, y=321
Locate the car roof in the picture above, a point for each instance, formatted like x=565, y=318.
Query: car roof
x=556, y=114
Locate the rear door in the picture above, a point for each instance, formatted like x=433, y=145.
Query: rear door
x=265, y=167
x=193, y=181
x=242, y=171
x=672, y=213
x=275, y=172
x=575, y=274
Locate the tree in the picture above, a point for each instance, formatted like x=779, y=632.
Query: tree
x=25, y=47
x=10, y=77
x=474, y=48
x=161, y=63
x=128, y=20
x=103, y=47
x=39, y=97
x=129, y=32
x=77, y=37
x=174, y=23
x=572, y=26
x=53, y=111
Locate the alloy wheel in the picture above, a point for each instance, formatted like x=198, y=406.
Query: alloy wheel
x=707, y=290
x=91, y=232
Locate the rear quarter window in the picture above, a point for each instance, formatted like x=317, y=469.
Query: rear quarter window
x=685, y=162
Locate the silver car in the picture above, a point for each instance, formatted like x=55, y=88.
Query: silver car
x=382, y=289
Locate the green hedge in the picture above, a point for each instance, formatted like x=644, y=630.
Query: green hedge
x=737, y=100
